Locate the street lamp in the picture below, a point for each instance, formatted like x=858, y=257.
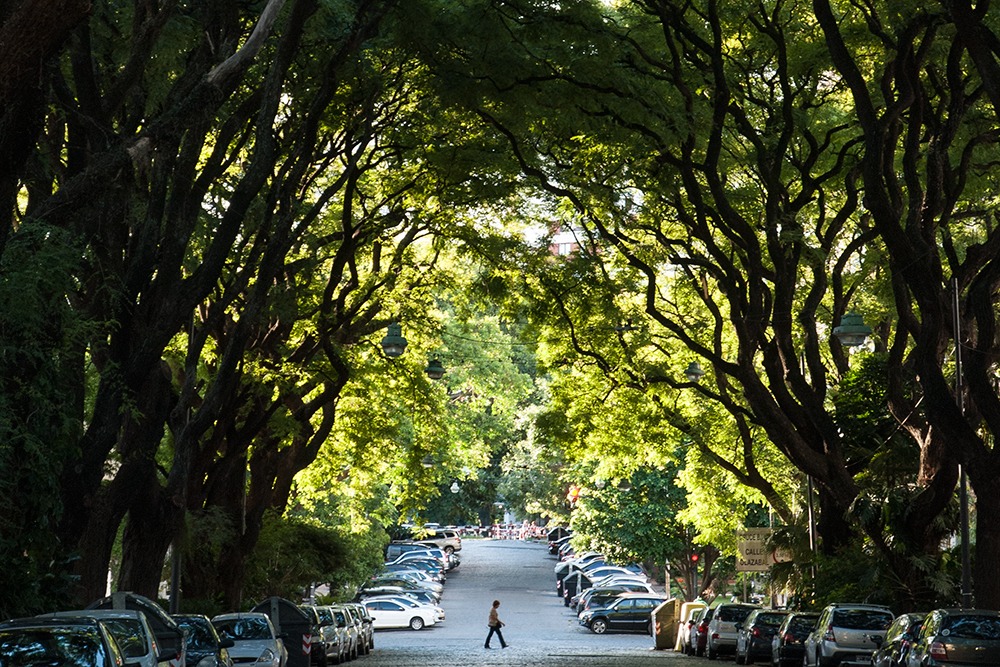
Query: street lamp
x=852, y=330
x=694, y=372
x=434, y=370
x=393, y=344
x=454, y=488
x=427, y=461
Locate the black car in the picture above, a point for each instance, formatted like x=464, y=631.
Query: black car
x=754, y=635
x=632, y=612
x=204, y=646
x=960, y=637
x=893, y=650
x=787, y=648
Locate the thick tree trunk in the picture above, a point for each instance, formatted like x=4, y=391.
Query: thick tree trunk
x=986, y=583
x=833, y=527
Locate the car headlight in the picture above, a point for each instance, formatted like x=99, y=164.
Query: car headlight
x=267, y=657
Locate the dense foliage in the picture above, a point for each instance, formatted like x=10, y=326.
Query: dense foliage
x=211, y=212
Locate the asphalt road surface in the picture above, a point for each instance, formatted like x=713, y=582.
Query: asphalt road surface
x=539, y=629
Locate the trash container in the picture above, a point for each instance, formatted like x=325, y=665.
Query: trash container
x=293, y=626
x=664, y=624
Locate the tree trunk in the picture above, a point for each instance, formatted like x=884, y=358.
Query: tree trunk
x=833, y=527
x=986, y=583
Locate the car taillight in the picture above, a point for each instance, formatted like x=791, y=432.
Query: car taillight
x=755, y=632
x=715, y=635
x=789, y=638
x=938, y=651
x=703, y=627
x=828, y=635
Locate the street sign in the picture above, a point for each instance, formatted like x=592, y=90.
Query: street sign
x=754, y=556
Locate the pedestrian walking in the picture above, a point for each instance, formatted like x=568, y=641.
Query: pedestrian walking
x=495, y=624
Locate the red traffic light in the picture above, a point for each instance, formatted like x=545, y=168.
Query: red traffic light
x=694, y=558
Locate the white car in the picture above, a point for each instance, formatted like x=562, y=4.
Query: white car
x=392, y=614
x=130, y=629
x=411, y=603
x=254, y=639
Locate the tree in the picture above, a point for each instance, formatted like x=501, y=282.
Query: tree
x=708, y=151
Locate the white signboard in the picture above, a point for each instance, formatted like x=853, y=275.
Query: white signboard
x=754, y=555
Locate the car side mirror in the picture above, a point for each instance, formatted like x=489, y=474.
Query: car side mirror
x=878, y=640
x=226, y=642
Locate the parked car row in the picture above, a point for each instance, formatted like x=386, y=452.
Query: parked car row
x=844, y=635
x=407, y=592
x=606, y=597
x=129, y=629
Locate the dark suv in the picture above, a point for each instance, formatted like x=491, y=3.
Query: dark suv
x=632, y=612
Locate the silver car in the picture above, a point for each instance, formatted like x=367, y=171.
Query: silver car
x=722, y=631
x=846, y=634
x=254, y=639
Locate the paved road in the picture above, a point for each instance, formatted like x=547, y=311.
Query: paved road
x=539, y=629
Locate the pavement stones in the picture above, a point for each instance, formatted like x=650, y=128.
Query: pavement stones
x=540, y=631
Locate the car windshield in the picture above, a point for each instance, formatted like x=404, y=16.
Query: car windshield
x=59, y=647
x=770, y=620
x=129, y=635
x=802, y=625
x=861, y=619
x=733, y=614
x=972, y=627
x=199, y=637
x=243, y=628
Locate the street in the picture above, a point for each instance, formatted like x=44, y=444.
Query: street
x=539, y=629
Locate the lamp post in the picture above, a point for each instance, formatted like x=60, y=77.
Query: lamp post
x=454, y=488
x=963, y=480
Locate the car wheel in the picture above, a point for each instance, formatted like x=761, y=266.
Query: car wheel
x=416, y=623
x=711, y=653
x=740, y=660
x=449, y=549
x=599, y=626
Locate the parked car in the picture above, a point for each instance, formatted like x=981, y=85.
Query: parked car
x=416, y=593
x=349, y=630
x=130, y=629
x=689, y=618
x=754, y=635
x=787, y=645
x=445, y=538
x=407, y=601
x=699, y=632
x=629, y=613
x=169, y=636
x=957, y=637
x=602, y=596
x=58, y=641
x=892, y=650
x=329, y=644
x=392, y=614
x=254, y=639
x=721, y=635
x=843, y=635
x=367, y=625
x=205, y=648
x=407, y=582
x=355, y=618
